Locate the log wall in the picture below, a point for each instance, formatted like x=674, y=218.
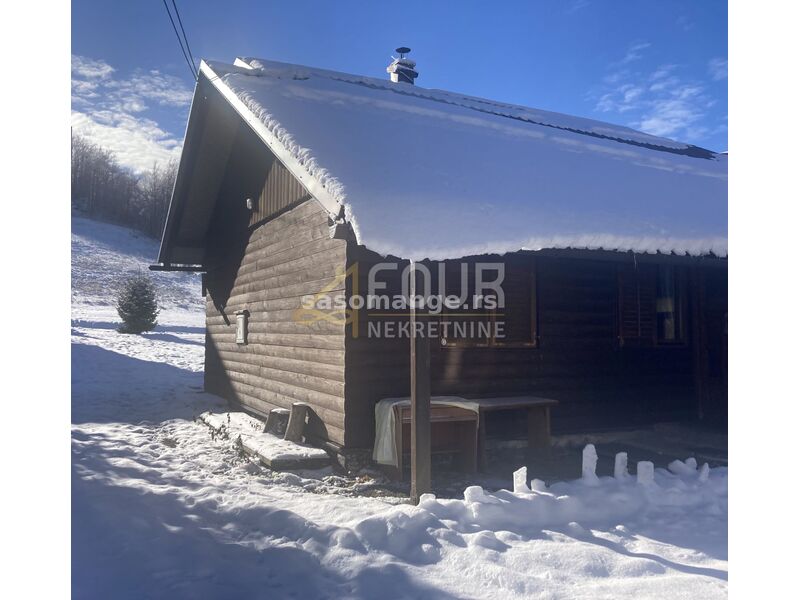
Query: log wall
x=577, y=358
x=265, y=267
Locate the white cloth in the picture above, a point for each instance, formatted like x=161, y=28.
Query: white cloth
x=384, y=452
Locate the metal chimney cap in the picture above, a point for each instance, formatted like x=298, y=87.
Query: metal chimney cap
x=402, y=50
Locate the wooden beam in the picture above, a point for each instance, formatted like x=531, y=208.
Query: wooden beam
x=190, y=268
x=420, y=402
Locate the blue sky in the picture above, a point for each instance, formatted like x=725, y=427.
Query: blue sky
x=656, y=65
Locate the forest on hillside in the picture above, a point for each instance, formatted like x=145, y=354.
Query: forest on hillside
x=104, y=189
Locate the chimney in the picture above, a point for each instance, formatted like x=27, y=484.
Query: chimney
x=402, y=69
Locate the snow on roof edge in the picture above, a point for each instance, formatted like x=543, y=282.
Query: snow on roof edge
x=694, y=247
x=322, y=185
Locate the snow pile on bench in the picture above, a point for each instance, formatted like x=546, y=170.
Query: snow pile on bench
x=276, y=453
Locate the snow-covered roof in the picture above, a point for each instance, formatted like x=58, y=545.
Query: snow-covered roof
x=426, y=173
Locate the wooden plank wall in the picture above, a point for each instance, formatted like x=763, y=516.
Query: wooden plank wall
x=578, y=360
x=280, y=191
x=266, y=270
x=284, y=361
x=374, y=368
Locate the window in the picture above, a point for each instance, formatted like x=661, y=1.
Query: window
x=512, y=325
x=668, y=307
x=651, y=305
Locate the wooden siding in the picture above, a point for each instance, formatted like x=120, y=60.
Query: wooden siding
x=263, y=262
x=578, y=359
x=280, y=191
x=374, y=368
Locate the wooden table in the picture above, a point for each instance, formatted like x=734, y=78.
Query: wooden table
x=456, y=429
x=464, y=431
x=538, y=417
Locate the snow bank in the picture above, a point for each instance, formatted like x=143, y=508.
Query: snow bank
x=430, y=174
x=601, y=503
x=481, y=518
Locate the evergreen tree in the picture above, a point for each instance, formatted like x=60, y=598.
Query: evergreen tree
x=136, y=304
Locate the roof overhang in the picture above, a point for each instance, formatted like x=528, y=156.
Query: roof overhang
x=209, y=135
x=214, y=118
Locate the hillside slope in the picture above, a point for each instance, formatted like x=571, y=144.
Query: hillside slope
x=104, y=254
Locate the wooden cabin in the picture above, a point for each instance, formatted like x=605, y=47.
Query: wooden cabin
x=294, y=181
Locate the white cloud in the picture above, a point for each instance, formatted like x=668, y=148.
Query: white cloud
x=718, y=68
x=89, y=68
x=669, y=116
x=165, y=90
x=634, y=52
x=137, y=143
x=113, y=112
x=660, y=102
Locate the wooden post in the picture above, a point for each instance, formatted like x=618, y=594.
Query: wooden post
x=420, y=401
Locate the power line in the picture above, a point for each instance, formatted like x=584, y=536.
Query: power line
x=180, y=42
x=185, y=39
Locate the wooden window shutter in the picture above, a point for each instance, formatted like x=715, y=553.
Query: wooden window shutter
x=636, y=314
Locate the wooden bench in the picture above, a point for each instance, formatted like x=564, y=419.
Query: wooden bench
x=538, y=417
x=452, y=429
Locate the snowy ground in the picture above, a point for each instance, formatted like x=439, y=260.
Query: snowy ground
x=160, y=509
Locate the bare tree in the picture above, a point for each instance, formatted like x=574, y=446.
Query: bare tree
x=102, y=188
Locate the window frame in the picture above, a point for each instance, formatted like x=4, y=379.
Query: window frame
x=681, y=302
x=494, y=342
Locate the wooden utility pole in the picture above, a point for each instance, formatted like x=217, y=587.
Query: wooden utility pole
x=420, y=399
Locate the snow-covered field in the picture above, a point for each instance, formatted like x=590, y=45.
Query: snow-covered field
x=160, y=509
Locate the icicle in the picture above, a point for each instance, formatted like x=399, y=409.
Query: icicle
x=590, y=464
x=621, y=465
x=704, y=470
x=644, y=472
x=521, y=481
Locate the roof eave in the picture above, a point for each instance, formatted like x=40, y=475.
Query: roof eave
x=313, y=186
x=180, y=187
